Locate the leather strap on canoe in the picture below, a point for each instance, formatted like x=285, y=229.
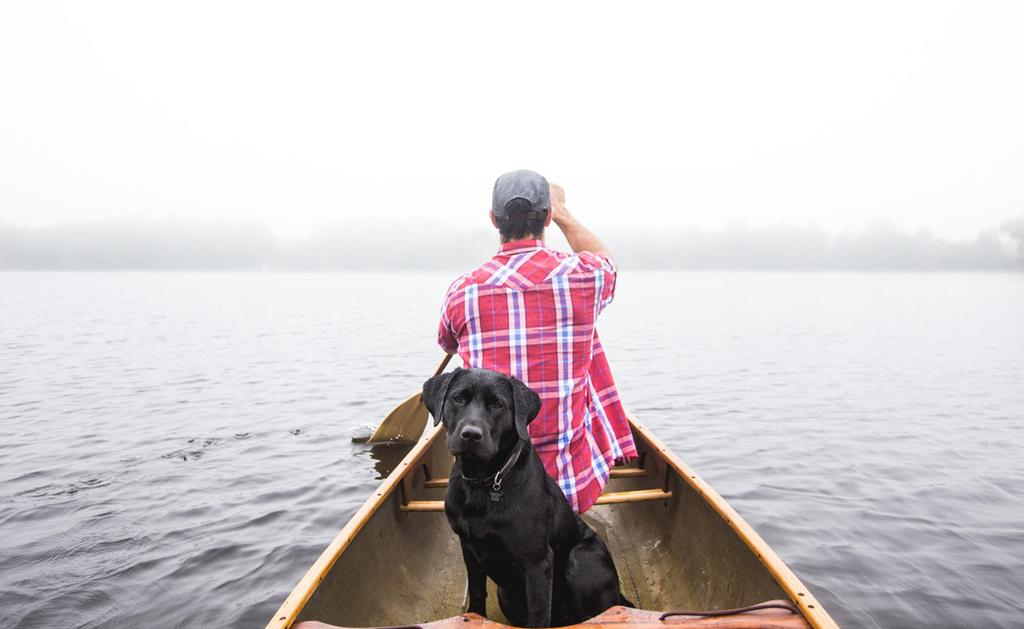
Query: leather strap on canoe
x=732, y=612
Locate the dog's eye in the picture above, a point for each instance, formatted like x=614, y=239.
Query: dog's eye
x=458, y=398
x=497, y=404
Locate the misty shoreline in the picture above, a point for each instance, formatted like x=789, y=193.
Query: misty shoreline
x=178, y=245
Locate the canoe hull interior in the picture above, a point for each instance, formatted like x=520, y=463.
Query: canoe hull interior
x=396, y=567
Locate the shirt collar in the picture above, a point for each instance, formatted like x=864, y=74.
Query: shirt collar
x=519, y=246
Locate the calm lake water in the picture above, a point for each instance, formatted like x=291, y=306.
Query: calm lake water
x=176, y=447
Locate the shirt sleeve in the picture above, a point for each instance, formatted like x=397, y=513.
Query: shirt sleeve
x=605, y=273
x=447, y=335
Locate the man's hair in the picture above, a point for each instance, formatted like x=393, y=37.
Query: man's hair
x=520, y=221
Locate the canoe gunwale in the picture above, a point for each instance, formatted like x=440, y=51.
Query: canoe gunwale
x=666, y=460
x=812, y=611
x=303, y=591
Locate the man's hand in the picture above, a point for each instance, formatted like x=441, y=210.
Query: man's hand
x=579, y=237
x=558, y=212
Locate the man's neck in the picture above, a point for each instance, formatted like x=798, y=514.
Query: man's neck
x=539, y=237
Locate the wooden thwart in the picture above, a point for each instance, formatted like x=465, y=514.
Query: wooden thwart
x=637, y=495
x=616, y=472
x=424, y=506
x=627, y=472
x=611, y=498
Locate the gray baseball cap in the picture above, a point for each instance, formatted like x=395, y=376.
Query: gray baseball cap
x=521, y=184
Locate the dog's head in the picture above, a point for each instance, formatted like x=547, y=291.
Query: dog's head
x=483, y=411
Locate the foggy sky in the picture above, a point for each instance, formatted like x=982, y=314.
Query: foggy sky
x=294, y=115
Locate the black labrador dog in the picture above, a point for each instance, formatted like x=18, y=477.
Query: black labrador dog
x=515, y=525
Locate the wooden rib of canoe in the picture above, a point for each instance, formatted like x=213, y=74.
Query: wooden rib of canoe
x=676, y=543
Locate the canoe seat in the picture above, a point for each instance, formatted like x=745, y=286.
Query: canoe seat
x=610, y=498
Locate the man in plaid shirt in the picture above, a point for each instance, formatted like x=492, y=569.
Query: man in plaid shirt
x=530, y=312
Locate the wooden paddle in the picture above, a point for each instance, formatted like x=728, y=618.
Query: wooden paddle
x=407, y=421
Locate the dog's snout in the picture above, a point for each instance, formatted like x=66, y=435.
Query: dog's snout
x=472, y=433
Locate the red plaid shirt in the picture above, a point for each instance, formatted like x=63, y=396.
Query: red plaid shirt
x=530, y=312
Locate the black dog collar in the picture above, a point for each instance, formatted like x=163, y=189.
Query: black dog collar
x=495, y=479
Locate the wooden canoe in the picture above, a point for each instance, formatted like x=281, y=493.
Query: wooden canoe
x=677, y=544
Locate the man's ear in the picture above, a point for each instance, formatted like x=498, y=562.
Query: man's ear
x=526, y=405
x=435, y=392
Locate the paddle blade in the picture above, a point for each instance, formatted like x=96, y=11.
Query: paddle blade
x=404, y=424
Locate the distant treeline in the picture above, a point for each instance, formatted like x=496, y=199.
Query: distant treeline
x=201, y=245
x=878, y=246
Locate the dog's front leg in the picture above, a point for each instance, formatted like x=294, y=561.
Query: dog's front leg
x=538, y=591
x=477, y=581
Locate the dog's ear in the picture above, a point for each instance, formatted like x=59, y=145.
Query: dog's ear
x=526, y=405
x=435, y=392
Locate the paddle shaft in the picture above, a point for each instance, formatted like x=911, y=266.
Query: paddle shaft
x=444, y=363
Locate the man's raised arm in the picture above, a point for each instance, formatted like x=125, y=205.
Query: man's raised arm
x=579, y=237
